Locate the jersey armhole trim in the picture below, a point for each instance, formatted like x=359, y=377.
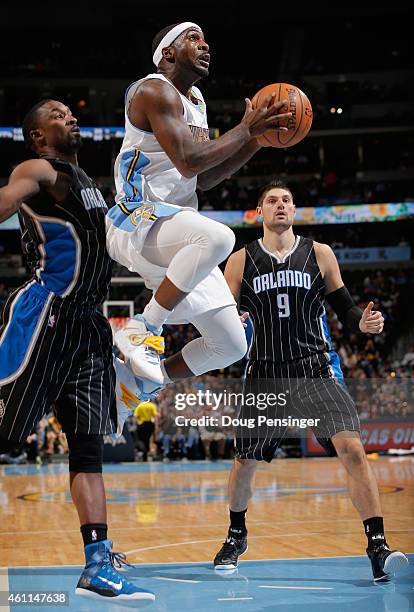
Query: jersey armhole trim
x=152, y=78
x=134, y=128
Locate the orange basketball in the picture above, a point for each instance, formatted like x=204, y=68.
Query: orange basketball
x=298, y=124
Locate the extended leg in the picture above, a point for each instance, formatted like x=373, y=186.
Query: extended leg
x=189, y=247
x=222, y=343
x=240, y=491
x=364, y=493
x=99, y=579
x=86, y=484
x=363, y=485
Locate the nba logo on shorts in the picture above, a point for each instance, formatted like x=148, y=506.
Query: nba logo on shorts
x=94, y=535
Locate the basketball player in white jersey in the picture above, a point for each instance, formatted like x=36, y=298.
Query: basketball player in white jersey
x=155, y=229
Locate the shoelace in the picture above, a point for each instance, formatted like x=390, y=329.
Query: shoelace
x=380, y=548
x=157, y=345
x=118, y=559
x=228, y=546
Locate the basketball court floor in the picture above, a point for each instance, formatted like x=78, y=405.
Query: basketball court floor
x=306, y=544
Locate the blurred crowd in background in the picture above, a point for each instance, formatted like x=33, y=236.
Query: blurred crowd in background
x=360, y=150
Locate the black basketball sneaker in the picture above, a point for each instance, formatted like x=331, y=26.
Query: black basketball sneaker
x=385, y=562
x=229, y=553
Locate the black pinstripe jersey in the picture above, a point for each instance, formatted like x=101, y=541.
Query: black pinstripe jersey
x=66, y=241
x=285, y=299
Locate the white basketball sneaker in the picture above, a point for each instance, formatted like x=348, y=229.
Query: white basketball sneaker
x=126, y=393
x=141, y=349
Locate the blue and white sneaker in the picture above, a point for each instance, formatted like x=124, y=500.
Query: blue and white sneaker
x=141, y=348
x=100, y=580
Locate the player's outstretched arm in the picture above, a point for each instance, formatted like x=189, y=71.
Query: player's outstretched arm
x=210, y=178
x=157, y=106
x=25, y=181
x=339, y=298
x=213, y=177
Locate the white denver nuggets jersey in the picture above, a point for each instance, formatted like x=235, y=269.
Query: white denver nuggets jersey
x=143, y=171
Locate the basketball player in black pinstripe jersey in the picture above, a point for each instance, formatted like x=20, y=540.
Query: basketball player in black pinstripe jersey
x=282, y=280
x=55, y=344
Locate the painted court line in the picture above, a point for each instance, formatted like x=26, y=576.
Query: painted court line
x=175, y=525
x=193, y=525
x=295, y=588
x=175, y=579
x=315, y=557
x=188, y=542
x=233, y=598
x=276, y=535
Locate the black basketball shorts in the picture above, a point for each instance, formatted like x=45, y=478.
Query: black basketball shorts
x=306, y=388
x=57, y=355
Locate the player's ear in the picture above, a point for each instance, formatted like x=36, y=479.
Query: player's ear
x=259, y=211
x=168, y=53
x=36, y=136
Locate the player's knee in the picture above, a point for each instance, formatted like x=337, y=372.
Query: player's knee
x=351, y=452
x=236, y=346
x=85, y=452
x=221, y=242
x=225, y=241
x=227, y=349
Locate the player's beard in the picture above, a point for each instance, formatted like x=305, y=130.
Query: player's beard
x=70, y=145
x=201, y=71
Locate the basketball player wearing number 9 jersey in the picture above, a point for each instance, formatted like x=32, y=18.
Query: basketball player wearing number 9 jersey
x=282, y=280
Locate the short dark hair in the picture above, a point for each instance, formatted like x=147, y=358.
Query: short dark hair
x=30, y=122
x=273, y=184
x=160, y=35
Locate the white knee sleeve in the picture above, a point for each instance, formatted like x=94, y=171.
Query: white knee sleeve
x=220, y=243
x=189, y=246
x=222, y=343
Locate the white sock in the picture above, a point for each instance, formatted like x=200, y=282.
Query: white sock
x=155, y=314
x=167, y=379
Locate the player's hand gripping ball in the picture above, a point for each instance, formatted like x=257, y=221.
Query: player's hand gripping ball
x=298, y=125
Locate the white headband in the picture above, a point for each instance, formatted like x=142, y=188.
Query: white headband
x=170, y=37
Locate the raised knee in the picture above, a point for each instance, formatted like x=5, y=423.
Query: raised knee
x=239, y=346
x=228, y=238
x=222, y=241
x=233, y=346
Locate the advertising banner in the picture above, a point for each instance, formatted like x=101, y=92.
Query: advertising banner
x=307, y=215
x=376, y=436
x=374, y=254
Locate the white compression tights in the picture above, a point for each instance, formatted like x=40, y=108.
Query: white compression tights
x=222, y=341
x=189, y=246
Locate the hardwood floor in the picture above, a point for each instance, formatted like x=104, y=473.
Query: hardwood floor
x=178, y=511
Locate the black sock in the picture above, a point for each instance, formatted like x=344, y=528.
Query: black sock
x=94, y=532
x=374, y=530
x=237, y=527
